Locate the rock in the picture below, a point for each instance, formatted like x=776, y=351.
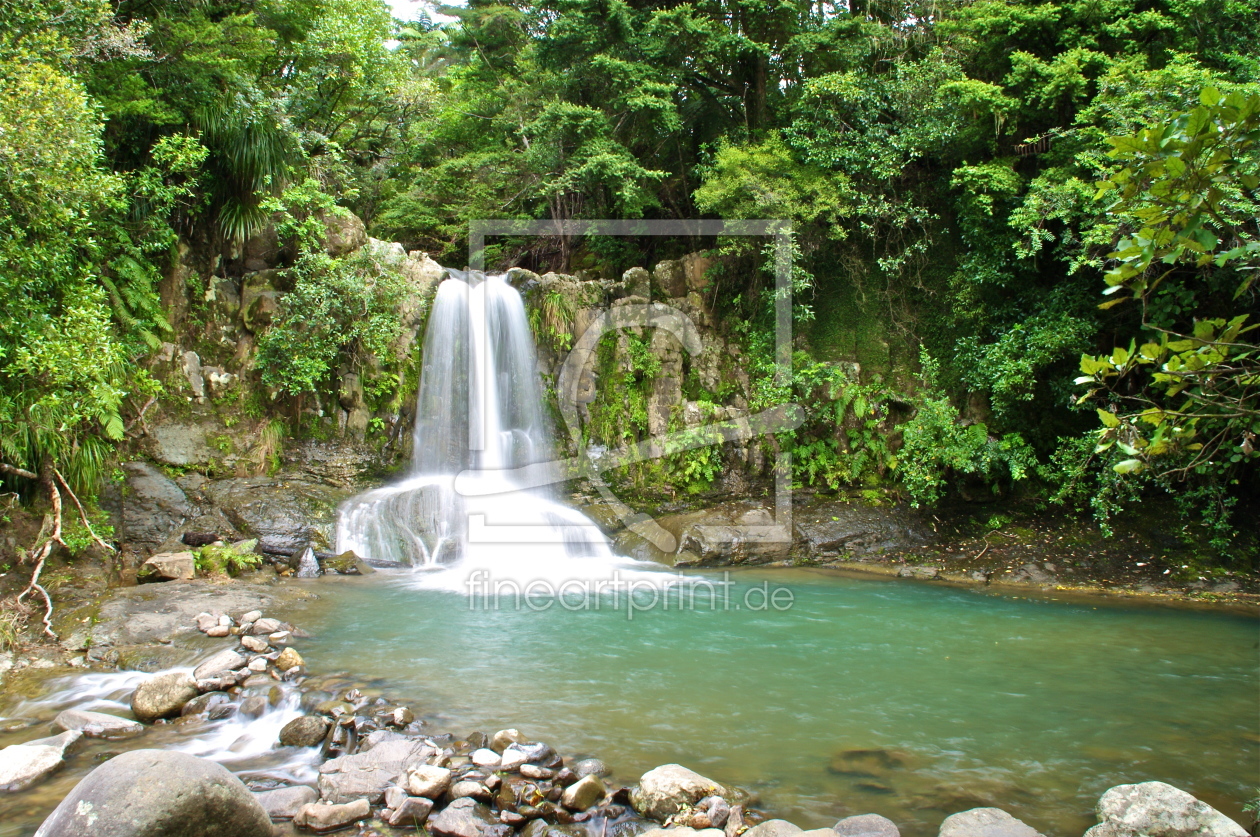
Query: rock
x=348, y=563
x=773, y=828
x=206, y=621
x=22, y=765
x=260, y=301
x=168, y=566
x=518, y=754
x=918, y=572
x=158, y=793
x=321, y=818
x=486, y=758
x=682, y=831
x=284, y=803
x=591, y=767
x=584, y=793
x=505, y=738
x=162, y=696
x=735, y=821
x=266, y=627
x=1032, y=574
x=255, y=644
x=637, y=282
x=1156, y=808
x=671, y=279
x=466, y=818
x=866, y=825
x=287, y=514
x=217, y=665
x=289, y=659
x=694, y=266
x=97, y=724
x=218, y=631
x=258, y=664
x=344, y=232
x=664, y=790
x=180, y=445
x=985, y=822
x=401, y=716
x=533, y=771
x=428, y=780
x=469, y=788
x=835, y=528
x=368, y=774
x=307, y=731
x=152, y=506
x=411, y=813
x=214, y=705
x=251, y=616
x=718, y=810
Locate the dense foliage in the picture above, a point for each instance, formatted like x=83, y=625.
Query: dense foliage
x=940, y=163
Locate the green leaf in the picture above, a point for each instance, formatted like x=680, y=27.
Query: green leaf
x=1108, y=418
x=1128, y=466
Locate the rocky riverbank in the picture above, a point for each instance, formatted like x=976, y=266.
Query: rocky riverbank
x=375, y=767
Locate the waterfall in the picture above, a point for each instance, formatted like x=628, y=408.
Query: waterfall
x=479, y=414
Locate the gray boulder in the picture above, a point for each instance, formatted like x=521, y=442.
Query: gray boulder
x=23, y=765
x=368, y=775
x=466, y=817
x=1156, y=808
x=584, y=793
x=866, y=825
x=97, y=724
x=321, y=818
x=307, y=731
x=665, y=790
x=167, y=566
x=214, y=705
x=409, y=813
x=217, y=665
x=152, y=506
x=774, y=828
x=162, y=696
x=284, y=803
x=591, y=767
x=428, y=780
x=985, y=822
x=158, y=793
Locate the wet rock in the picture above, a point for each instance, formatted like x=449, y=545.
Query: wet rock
x=428, y=780
x=401, y=716
x=735, y=822
x=717, y=809
x=486, y=758
x=214, y=705
x=466, y=818
x=23, y=765
x=542, y=828
x=411, y=813
x=584, y=793
x=253, y=643
x=258, y=664
x=368, y=774
x=219, y=664
x=518, y=754
x=265, y=627
x=152, y=506
x=665, y=790
x=985, y=822
x=307, y=731
x=167, y=566
x=321, y=817
x=284, y=803
x=591, y=767
x=1157, y=808
x=565, y=777
x=505, y=738
x=181, y=445
x=866, y=825
x=254, y=706
x=289, y=659
x=162, y=696
x=533, y=771
x=872, y=762
x=469, y=788
x=774, y=828
x=919, y=572
x=158, y=793
x=218, y=631
x=348, y=563
x=97, y=724
x=287, y=514
x=682, y=831
x=251, y=617
x=831, y=529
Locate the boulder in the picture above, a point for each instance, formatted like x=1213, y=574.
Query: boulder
x=428, y=780
x=774, y=828
x=260, y=301
x=22, y=765
x=152, y=506
x=214, y=705
x=518, y=754
x=181, y=445
x=368, y=774
x=866, y=825
x=409, y=813
x=321, y=818
x=344, y=232
x=167, y=566
x=671, y=278
x=162, y=696
x=591, y=767
x=664, y=790
x=584, y=793
x=985, y=822
x=1157, y=808
x=158, y=793
x=695, y=266
x=97, y=724
x=284, y=803
x=466, y=817
x=289, y=659
x=485, y=757
x=288, y=514
x=469, y=787
x=218, y=664
x=637, y=282
x=307, y=731
x=505, y=738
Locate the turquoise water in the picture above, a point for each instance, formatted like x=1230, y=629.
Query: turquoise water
x=942, y=698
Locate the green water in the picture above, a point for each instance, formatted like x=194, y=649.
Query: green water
x=975, y=699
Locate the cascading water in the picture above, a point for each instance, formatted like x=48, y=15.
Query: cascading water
x=479, y=414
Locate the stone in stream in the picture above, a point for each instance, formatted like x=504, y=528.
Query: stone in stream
x=258, y=664
x=985, y=822
x=289, y=659
x=252, y=616
x=284, y=803
x=717, y=809
x=22, y=765
x=584, y=793
x=465, y=817
x=306, y=731
x=774, y=828
x=206, y=621
x=591, y=767
x=368, y=774
x=664, y=791
x=97, y=724
x=1159, y=808
x=542, y=828
x=320, y=817
x=533, y=771
x=540, y=754
x=486, y=757
x=158, y=793
x=409, y=813
x=219, y=664
x=401, y=716
x=168, y=566
x=255, y=644
x=214, y=705
x=264, y=627
x=505, y=738
x=469, y=788
x=866, y=825
x=162, y=696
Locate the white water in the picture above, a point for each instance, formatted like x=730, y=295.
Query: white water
x=479, y=415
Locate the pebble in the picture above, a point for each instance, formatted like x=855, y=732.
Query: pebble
x=218, y=630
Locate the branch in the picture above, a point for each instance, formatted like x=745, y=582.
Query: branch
x=41, y=555
x=82, y=514
x=17, y=472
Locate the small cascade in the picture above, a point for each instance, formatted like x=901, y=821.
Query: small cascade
x=479, y=414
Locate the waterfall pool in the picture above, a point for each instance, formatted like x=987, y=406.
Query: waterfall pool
x=905, y=699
